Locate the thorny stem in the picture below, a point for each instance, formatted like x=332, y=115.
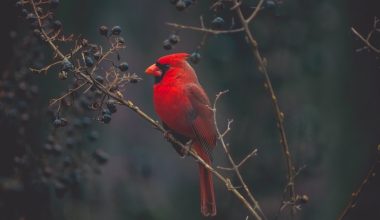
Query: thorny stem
x=150, y=120
x=235, y=167
x=279, y=114
x=355, y=195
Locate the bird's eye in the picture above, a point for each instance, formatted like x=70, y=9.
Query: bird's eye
x=162, y=67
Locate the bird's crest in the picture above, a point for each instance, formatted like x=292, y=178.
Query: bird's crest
x=175, y=57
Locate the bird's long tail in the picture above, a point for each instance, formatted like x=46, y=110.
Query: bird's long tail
x=208, y=205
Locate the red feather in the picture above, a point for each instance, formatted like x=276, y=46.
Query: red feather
x=184, y=107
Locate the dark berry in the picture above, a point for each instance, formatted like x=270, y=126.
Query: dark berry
x=270, y=4
x=123, y=66
x=217, y=22
x=19, y=4
x=64, y=122
x=103, y=30
x=24, y=12
x=111, y=106
x=57, y=123
x=99, y=79
x=37, y=33
x=93, y=136
x=120, y=40
x=57, y=24
x=31, y=17
x=100, y=156
x=167, y=45
x=188, y=2
x=174, y=38
x=106, y=118
x=89, y=61
x=106, y=111
x=67, y=65
x=60, y=122
x=180, y=5
x=133, y=80
x=116, y=30
x=195, y=57
x=97, y=55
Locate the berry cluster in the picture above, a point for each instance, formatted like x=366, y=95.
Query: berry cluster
x=92, y=72
x=172, y=40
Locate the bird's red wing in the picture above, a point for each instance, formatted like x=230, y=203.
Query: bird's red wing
x=202, y=118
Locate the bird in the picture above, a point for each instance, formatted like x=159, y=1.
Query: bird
x=185, y=111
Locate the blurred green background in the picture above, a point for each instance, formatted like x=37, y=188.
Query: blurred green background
x=328, y=92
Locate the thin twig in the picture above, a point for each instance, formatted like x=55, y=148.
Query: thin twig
x=253, y=153
x=71, y=91
x=232, y=162
x=46, y=68
x=205, y=30
x=256, y=11
x=355, y=195
x=365, y=41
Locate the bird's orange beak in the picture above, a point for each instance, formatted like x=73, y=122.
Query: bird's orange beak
x=153, y=70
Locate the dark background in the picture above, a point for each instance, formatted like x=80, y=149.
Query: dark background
x=328, y=91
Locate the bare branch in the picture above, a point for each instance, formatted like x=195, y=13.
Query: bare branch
x=205, y=30
x=261, y=61
x=46, y=68
x=355, y=195
x=365, y=40
x=253, y=153
x=71, y=91
x=256, y=11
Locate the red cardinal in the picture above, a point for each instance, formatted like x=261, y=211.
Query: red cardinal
x=184, y=108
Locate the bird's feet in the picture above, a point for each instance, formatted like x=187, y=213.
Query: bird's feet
x=167, y=135
x=186, y=150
